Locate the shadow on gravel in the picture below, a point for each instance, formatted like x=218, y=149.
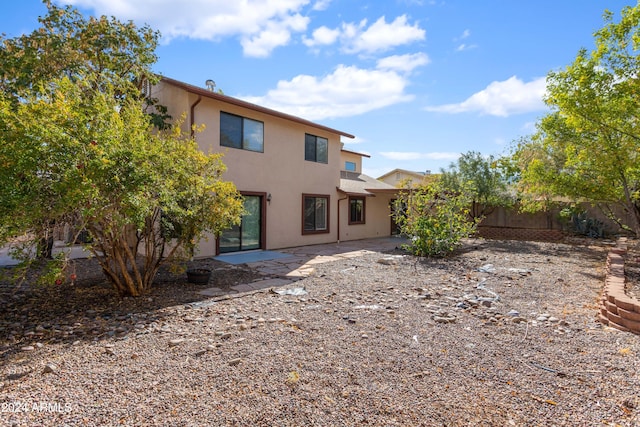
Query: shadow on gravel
x=578, y=252
x=590, y=248
x=91, y=310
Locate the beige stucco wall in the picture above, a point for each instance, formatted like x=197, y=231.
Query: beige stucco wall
x=377, y=219
x=351, y=157
x=280, y=170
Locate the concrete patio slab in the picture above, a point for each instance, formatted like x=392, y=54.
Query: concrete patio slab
x=72, y=251
x=251, y=257
x=270, y=283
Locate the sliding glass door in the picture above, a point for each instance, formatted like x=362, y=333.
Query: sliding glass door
x=248, y=234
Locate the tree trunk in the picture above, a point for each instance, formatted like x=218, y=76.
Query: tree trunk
x=636, y=219
x=45, y=247
x=631, y=206
x=118, y=262
x=130, y=274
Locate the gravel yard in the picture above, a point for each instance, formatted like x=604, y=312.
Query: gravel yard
x=502, y=333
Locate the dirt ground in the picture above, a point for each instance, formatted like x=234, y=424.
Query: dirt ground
x=501, y=333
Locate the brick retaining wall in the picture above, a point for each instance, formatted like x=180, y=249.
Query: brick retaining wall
x=617, y=309
x=513, y=233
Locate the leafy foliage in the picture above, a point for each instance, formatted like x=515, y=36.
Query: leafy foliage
x=581, y=223
x=68, y=45
x=77, y=148
x=588, y=148
x=481, y=176
x=435, y=218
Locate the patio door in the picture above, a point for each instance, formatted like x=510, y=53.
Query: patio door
x=249, y=234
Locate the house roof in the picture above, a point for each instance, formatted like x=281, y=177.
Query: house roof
x=358, y=184
x=404, y=171
x=240, y=103
x=356, y=153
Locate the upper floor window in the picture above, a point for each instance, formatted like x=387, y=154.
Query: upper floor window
x=316, y=149
x=350, y=166
x=240, y=132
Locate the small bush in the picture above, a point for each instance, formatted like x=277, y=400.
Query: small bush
x=435, y=220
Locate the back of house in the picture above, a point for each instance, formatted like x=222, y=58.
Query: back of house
x=300, y=186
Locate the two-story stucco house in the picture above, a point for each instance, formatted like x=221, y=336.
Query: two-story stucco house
x=300, y=186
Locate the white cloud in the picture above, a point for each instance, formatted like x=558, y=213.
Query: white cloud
x=275, y=34
x=321, y=4
x=403, y=63
x=465, y=34
x=262, y=25
x=347, y=91
x=502, y=99
x=322, y=36
x=358, y=38
x=464, y=47
x=381, y=36
x=410, y=155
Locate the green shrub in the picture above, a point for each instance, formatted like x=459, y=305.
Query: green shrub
x=434, y=219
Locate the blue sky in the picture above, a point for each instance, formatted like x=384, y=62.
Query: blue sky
x=417, y=81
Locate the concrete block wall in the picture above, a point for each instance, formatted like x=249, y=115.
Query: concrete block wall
x=515, y=233
x=617, y=309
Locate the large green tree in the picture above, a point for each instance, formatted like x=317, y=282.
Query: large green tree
x=482, y=178
x=77, y=147
x=588, y=147
x=69, y=45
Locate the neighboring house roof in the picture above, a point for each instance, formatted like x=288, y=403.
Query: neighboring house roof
x=356, y=153
x=404, y=171
x=240, y=103
x=357, y=184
